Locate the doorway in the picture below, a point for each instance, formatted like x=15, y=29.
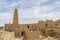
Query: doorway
x=22, y=33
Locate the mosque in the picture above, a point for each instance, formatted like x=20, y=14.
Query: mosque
x=32, y=31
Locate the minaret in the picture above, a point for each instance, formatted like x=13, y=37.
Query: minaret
x=15, y=18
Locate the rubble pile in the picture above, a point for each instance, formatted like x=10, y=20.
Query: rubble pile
x=4, y=35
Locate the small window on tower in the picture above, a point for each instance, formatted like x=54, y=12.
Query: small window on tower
x=59, y=22
x=56, y=24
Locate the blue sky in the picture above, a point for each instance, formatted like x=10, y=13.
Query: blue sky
x=30, y=11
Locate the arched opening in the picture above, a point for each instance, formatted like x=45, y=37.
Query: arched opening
x=23, y=33
x=28, y=27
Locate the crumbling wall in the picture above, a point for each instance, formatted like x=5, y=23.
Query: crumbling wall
x=4, y=35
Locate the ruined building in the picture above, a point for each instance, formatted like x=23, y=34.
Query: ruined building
x=32, y=31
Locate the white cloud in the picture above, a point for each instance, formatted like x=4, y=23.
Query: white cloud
x=42, y=1
x=5, y=18
x=28, y=15
x=36, y=14
x=14, y=4
x=37, y=2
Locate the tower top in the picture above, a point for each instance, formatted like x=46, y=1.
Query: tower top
x=15, y=9
x=15, y=18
